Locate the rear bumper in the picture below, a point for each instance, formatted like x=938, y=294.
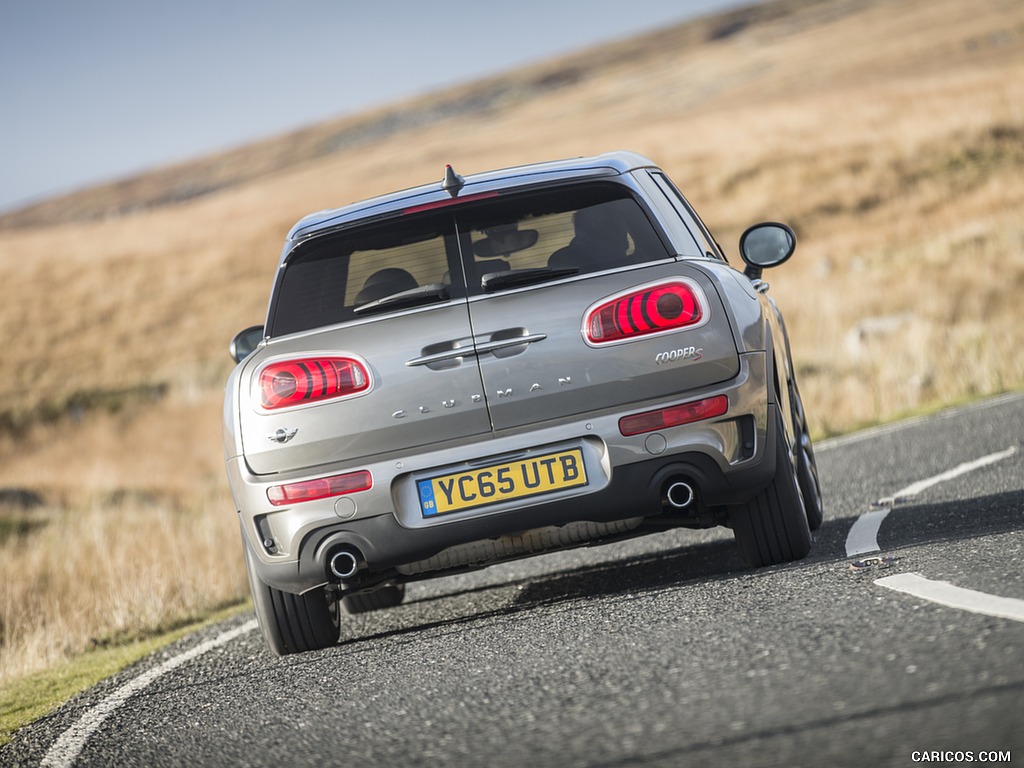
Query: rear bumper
x=727, y=460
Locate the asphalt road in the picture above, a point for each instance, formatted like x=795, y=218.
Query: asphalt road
x=662, y=651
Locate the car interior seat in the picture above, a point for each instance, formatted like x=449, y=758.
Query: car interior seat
x=601, y=240
x=385, y=282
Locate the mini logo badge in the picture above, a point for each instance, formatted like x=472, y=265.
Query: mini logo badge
x=283, y=435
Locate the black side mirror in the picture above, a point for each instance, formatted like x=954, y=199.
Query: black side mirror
x=766, y=245
x=245, y=342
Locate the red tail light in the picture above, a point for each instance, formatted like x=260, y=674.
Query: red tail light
x=324, y=487
x=652, y=309
x=297, y=382
x=674, y=416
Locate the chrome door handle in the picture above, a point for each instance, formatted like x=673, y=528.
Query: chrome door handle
x=437, y=357
x=491, y=346
x=477, y=349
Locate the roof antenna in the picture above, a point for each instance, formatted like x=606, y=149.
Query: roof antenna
x=453, y=183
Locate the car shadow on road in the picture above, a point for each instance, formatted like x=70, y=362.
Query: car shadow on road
x=632, y=575
x=675, y=566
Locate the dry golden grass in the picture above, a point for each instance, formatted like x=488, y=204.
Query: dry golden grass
x=112, y=569
x=889, y=134
x=131, y=539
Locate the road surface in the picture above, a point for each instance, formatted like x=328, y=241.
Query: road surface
x=899, y=640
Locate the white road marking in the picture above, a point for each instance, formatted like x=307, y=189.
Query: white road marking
x=863, y=536
x=963, y=469
x=952, y=596
x=65, y=750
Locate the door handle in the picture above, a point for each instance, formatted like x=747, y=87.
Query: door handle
x=439, y=357
x=444, y=355
x=494, y=346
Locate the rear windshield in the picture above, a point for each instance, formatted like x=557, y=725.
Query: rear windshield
x=444, y=255
x=327, y=279
x=579, y=229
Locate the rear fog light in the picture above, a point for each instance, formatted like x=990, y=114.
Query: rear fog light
x=321, y=488
x=677, y=415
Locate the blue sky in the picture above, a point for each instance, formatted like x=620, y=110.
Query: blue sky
x=92, y=91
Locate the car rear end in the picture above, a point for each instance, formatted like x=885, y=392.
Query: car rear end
x=536, y=361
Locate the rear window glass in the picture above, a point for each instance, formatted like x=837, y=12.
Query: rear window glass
x=435, y=256
x=326, y=280
x=581, y=228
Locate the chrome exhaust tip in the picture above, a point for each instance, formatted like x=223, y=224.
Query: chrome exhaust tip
x=345, y=563
x=680, y=494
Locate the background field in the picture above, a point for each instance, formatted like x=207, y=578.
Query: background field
x=889, y=134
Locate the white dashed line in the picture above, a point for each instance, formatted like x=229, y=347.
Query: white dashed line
x=952, y=596
x=863, y=536
x=65, y=750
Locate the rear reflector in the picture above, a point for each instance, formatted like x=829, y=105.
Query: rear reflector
x=675, y=416
x=652, y=309
x=297, y=382
x=322, y=488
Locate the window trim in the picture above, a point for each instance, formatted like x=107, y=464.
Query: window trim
x=695, y=226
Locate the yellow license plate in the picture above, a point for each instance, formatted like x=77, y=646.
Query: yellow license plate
x=502, y=482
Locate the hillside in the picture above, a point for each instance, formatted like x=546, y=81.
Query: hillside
x=889, y=133
x=209, y=175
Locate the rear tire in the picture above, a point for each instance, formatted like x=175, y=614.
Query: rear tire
x=388, y=596
x=292, y=623
x=772, y=527
x=807, y=468
x=810, y=488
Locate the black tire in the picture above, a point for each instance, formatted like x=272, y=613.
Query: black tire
x=772, y=527
x=292, y=623
x=810, y=487
x=388, y=596
x=807, y=470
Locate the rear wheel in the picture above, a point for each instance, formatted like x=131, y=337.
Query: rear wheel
x=292, y=623
x=773, y=527
x=388, y=596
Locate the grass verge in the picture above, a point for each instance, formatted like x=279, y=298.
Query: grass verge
x=27, y=699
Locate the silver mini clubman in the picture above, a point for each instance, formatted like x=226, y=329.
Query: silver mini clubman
x=495, y=366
